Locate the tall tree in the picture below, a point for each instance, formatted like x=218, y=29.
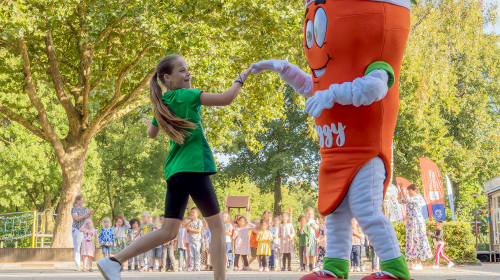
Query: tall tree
x=287, y=153
x=57, y=57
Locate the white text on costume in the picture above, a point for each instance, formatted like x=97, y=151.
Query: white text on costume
x=326, y=132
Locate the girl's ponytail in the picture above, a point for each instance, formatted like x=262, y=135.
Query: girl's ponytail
x=169, y=123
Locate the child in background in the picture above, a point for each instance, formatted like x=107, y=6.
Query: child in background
x=155, y=252
x=132, y=233
x=228, y=229
x=286, y=235
x=438, y=238
x=181, y=246
x=119, y=231
x=194, y=232
x=356, y=246
x=313, y=245
x=304, y=232
x=106, y=237
x=241, y=238
x=375, y=261
x=88, y=243
x=235, y=225
x=205, y=246
x=264, y=237
x=321, y=242
x=168, y=252
x=275, y=244
x=253, y=241
x=144, y=228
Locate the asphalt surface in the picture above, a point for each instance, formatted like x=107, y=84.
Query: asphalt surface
x=485, y=272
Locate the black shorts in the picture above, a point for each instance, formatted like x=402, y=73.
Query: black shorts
x=197, y=185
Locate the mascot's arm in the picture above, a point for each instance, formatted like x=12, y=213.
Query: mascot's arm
x=291, y=74
x=379, y=77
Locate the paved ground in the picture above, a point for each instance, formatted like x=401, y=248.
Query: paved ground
x=485, y=272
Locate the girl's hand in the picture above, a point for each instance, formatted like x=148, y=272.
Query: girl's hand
x=244, y=75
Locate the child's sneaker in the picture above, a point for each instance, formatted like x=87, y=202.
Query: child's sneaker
x=283, y=269
x=266, y=269
x=351, y=269
x=289, y=268
x=363, y=268
x=109, y=269
x=451, y=264
x=141, y=269
x=300, y=269
x=357, y=269
x=307, y=269
x=261, y=269
x=247, y=268
x=435, y=266
x=236, y=268
x=129, y=268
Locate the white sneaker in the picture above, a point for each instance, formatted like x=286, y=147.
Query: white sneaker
x=418, y=267
x=351, y=269
x=357, y=269
x=109, y=269
x=316, y=269
x=363, y=268
x=435, y=266
x=450, y=264
x=77, y=268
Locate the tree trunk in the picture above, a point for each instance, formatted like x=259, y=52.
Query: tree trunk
x=277, y=194
x=72, y=166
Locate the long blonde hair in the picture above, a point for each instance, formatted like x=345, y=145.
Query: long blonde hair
x=168, y=122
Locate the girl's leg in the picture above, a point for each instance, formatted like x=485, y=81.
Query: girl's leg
x=236, y=259
x=245, y=260
x=202, y=191
x=289, y=257
x=284, y=260
x=166, y=233
x=438, y=253
x=90, y=262
x=443, y=255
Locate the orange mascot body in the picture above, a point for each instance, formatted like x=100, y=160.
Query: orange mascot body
x=354, y=49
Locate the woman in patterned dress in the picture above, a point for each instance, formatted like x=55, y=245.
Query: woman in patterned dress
x=79, y=213
x=417, y=244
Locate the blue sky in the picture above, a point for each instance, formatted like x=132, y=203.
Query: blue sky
x=490, y=28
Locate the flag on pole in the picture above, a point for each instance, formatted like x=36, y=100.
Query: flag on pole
x=450, y=197
x=432, y=183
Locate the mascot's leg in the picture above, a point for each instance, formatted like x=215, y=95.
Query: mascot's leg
x=338, y=246
x=365, y=197
x=339, y=241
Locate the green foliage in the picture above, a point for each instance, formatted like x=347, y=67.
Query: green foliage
x=288, y=153
x=450, y=80
x=458, y=238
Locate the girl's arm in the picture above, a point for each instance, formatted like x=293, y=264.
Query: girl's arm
x=126, y=226
x=138, y=233
x=226, y=98
x=153, y=131
x=292, y=233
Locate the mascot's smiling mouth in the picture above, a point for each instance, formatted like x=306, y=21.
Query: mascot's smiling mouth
x=319, y=72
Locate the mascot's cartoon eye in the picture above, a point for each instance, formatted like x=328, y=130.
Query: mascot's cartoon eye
x=320, y=22
x=309, y=34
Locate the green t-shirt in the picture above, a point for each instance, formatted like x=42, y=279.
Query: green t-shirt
x=304, y=237
x=195, y=154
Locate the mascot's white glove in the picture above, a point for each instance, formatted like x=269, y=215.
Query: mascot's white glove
x=362, y=91
x=291, y=74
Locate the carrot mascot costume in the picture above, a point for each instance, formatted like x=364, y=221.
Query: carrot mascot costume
x=355, y=50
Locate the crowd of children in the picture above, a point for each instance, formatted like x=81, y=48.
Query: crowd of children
x=269, y=240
